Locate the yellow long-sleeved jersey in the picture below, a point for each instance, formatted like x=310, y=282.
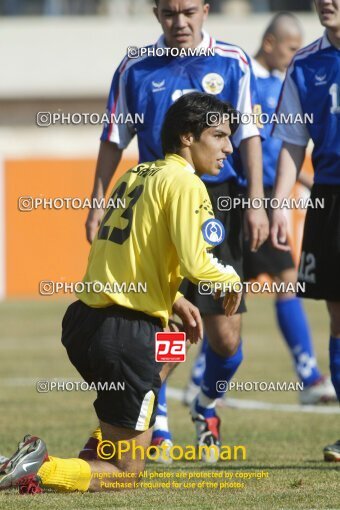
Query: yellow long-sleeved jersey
x=154, y=241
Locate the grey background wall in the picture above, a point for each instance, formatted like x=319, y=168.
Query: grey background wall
x=67, y=64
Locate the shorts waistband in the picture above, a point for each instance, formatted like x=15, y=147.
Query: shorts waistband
x=128, y=313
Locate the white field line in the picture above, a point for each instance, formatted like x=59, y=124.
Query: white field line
x=176, y=394
x=236, y=403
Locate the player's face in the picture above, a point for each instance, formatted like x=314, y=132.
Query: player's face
x=282, y=49
x=210, y=151
x=329, y=13
x=182, y=21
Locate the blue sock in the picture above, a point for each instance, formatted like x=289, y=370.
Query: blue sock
x=294, y=327
x=161, y=424
x=162, y=409
x=198, y=368
x=334, y=356
x=219, y=368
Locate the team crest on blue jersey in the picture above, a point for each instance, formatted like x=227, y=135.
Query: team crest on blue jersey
x=213, y=231
x=213, y=83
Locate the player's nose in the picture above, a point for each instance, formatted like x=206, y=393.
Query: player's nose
x=180, y=21
x=228, y=148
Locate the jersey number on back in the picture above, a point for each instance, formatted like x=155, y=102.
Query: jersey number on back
x=334, y=91
x=120, y=235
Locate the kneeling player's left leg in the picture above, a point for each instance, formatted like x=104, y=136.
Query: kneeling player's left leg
x=161, y=436
x=30, y=466
x=89, y=450
x=120, y=349
x=120, y=473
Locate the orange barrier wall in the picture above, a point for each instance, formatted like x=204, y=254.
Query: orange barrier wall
x=46, y=244
x=298, y=215
x=50, y=244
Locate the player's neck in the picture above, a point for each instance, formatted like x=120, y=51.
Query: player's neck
x=259, y=57
x=334, y=37
x=186, y=154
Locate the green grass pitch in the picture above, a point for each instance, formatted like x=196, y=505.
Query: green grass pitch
x=287, y=445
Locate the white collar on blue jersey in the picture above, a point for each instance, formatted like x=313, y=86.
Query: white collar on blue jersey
x=259, y=70
x=325, y=42
x=262, y=72
x=207, y=41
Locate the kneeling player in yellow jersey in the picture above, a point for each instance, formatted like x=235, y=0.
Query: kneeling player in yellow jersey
x=161, y=235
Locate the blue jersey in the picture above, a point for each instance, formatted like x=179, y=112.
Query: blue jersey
x=149, y=85
x=312, y=87
x=269, y=86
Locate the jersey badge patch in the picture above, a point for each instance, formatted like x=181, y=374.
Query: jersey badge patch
x=213, y=83
x=213, y=231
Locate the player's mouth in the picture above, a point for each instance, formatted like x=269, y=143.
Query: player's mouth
x=221, y=162
x=181, y=38
x=327, y=13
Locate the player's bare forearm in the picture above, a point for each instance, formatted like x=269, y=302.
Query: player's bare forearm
x=289, y=165
x=256, y=221
x=251, y=157
x=305, y=179
x=108, y=160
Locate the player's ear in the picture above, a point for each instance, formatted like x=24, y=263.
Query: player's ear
x=268, y=43
x=206, y=9
x=155, y=11
x=186, y=139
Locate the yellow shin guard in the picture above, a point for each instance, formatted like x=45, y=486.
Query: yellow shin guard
x=65, y=475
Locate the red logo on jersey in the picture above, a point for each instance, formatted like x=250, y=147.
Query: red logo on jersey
x=170, y=347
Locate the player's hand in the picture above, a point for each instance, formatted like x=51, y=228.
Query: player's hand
x=279, y=230
x=231, y=301
x=191, y=318
x=174, y=326
x=92, y=223
x=256, y=227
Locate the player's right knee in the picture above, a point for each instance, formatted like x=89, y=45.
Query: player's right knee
x=226, y=345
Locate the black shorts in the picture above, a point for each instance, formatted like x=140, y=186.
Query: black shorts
x=229, y=252
x=116, y=345
x=319, y=266
x=267, y=259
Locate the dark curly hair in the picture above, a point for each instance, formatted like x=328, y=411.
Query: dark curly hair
x=190, y=114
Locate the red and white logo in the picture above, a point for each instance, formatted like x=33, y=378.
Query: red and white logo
x=170, y=347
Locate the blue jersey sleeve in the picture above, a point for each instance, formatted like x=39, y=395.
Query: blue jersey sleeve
x=116, y=129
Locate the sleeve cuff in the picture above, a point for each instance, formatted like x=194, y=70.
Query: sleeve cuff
x=178, y=295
